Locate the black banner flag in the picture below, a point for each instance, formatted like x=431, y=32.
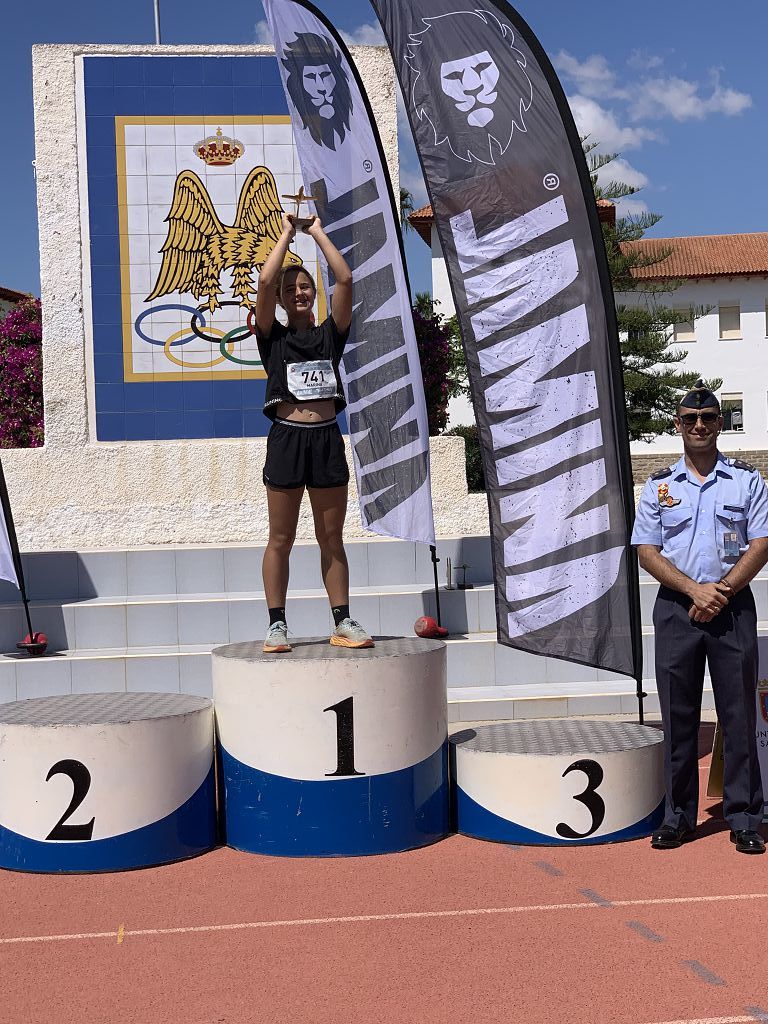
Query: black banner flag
x=517, y=221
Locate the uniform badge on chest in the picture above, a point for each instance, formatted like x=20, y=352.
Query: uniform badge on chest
x=665, y=498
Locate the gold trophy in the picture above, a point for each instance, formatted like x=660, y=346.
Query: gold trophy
x=302, y=223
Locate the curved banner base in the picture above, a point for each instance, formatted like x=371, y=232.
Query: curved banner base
x=186, y=832
x=472, y=819
x=366, y=814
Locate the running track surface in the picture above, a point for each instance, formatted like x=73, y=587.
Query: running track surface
x=463, y=930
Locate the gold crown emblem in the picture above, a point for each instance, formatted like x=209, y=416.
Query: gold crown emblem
x=219, y=150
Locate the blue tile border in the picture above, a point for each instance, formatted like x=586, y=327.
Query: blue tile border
x=160, y=86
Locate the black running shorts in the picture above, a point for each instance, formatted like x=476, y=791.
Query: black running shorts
x=305, y=455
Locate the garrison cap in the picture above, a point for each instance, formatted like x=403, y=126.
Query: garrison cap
x=700, y=397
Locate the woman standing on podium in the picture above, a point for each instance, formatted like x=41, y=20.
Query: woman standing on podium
x=305, y=448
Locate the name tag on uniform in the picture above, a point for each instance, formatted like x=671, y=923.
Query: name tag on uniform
x=731, y=545
x=311, y=380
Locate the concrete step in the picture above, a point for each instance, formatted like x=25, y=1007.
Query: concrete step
x=153, y=620
x=72, y=575
x=148, y=620
x=187, y=669
x=477, y=665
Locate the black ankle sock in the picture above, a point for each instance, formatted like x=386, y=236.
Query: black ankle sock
x=341, y=611
x=276, y=615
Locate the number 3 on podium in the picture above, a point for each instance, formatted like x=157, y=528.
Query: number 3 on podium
x=589, y=797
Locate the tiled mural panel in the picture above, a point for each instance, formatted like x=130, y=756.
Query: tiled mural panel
x=188, y=161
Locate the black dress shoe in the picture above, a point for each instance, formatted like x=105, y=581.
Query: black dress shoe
x=748, y=841
x=669, y=838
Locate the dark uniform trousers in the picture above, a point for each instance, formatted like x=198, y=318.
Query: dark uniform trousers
x=729, y=644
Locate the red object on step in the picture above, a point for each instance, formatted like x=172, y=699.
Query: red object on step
x=427, y=628
x=35, y=645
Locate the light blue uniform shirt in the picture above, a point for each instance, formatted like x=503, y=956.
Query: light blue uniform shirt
x=690, y=520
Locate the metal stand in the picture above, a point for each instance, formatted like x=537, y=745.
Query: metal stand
x=641, y=694
x=435, y=560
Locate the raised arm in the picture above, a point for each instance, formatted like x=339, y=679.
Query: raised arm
x=266, y=296
x=341, y=303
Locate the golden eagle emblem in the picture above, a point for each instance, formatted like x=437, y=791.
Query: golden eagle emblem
x=199, y=246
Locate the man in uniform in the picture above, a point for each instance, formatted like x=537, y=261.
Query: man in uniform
x=702, y=532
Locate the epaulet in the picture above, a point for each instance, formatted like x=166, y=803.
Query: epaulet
x=661, y=473
x=738, y=464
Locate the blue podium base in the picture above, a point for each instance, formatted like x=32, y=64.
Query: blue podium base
x=188, y=831
x=346, y=817
x=473, y=820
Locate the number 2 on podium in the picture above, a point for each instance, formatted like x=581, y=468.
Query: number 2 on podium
x=345, y=738
x=81, y=783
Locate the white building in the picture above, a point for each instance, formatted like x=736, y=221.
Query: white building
x=724, y=279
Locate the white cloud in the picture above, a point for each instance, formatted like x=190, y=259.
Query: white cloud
x=651, y=97
x=621, y=170
x=603, y=127
x=630, y=207
x=641, y=60
x=592, y=77
x=680, y=99
x=261, y=32
x=365, y=35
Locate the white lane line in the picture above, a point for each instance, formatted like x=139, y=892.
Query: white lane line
x=711, y=1020
x=365, y=918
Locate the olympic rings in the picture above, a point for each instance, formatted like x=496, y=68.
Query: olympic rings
x=197, y=313
x=230, y=338
x=159, y=309
x=198, y=366
x=215, y=336
x=249, y=321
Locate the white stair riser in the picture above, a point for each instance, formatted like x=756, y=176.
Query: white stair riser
x=191, y=673
x=228, y=618
x=471, y=663
x=69, y=575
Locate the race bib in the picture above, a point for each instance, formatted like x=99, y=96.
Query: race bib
x=311, y=380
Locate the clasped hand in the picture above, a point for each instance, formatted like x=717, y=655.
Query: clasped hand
x=290, y=224
x=708, y=600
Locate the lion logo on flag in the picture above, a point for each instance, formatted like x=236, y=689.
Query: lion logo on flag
x=469, y=83
x=319, y=87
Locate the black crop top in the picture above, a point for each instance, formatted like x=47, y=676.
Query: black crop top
x=285, y=347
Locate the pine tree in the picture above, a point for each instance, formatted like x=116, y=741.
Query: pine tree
x=653, y=378
x=406, y=209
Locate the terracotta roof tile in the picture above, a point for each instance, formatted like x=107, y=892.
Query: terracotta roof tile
x=423, y=211
x=10, y=295
x=421, y=220
x=703, y=256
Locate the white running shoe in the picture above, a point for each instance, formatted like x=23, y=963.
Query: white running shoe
x=276, y=641
x=349, y=633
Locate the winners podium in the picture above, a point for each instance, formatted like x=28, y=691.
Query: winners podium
x=326, y=751
x=105, y=782
x=558, y=782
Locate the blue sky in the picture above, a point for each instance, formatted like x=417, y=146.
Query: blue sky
x=679, y=91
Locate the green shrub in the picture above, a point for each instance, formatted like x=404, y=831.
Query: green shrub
x=474, y=461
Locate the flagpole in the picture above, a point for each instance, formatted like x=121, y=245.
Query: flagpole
x=157, y=22
x=435, y=560
x=34, y=646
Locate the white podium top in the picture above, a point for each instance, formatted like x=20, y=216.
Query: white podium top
x=317, y=648
x=99, y=708
x=556, y=737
